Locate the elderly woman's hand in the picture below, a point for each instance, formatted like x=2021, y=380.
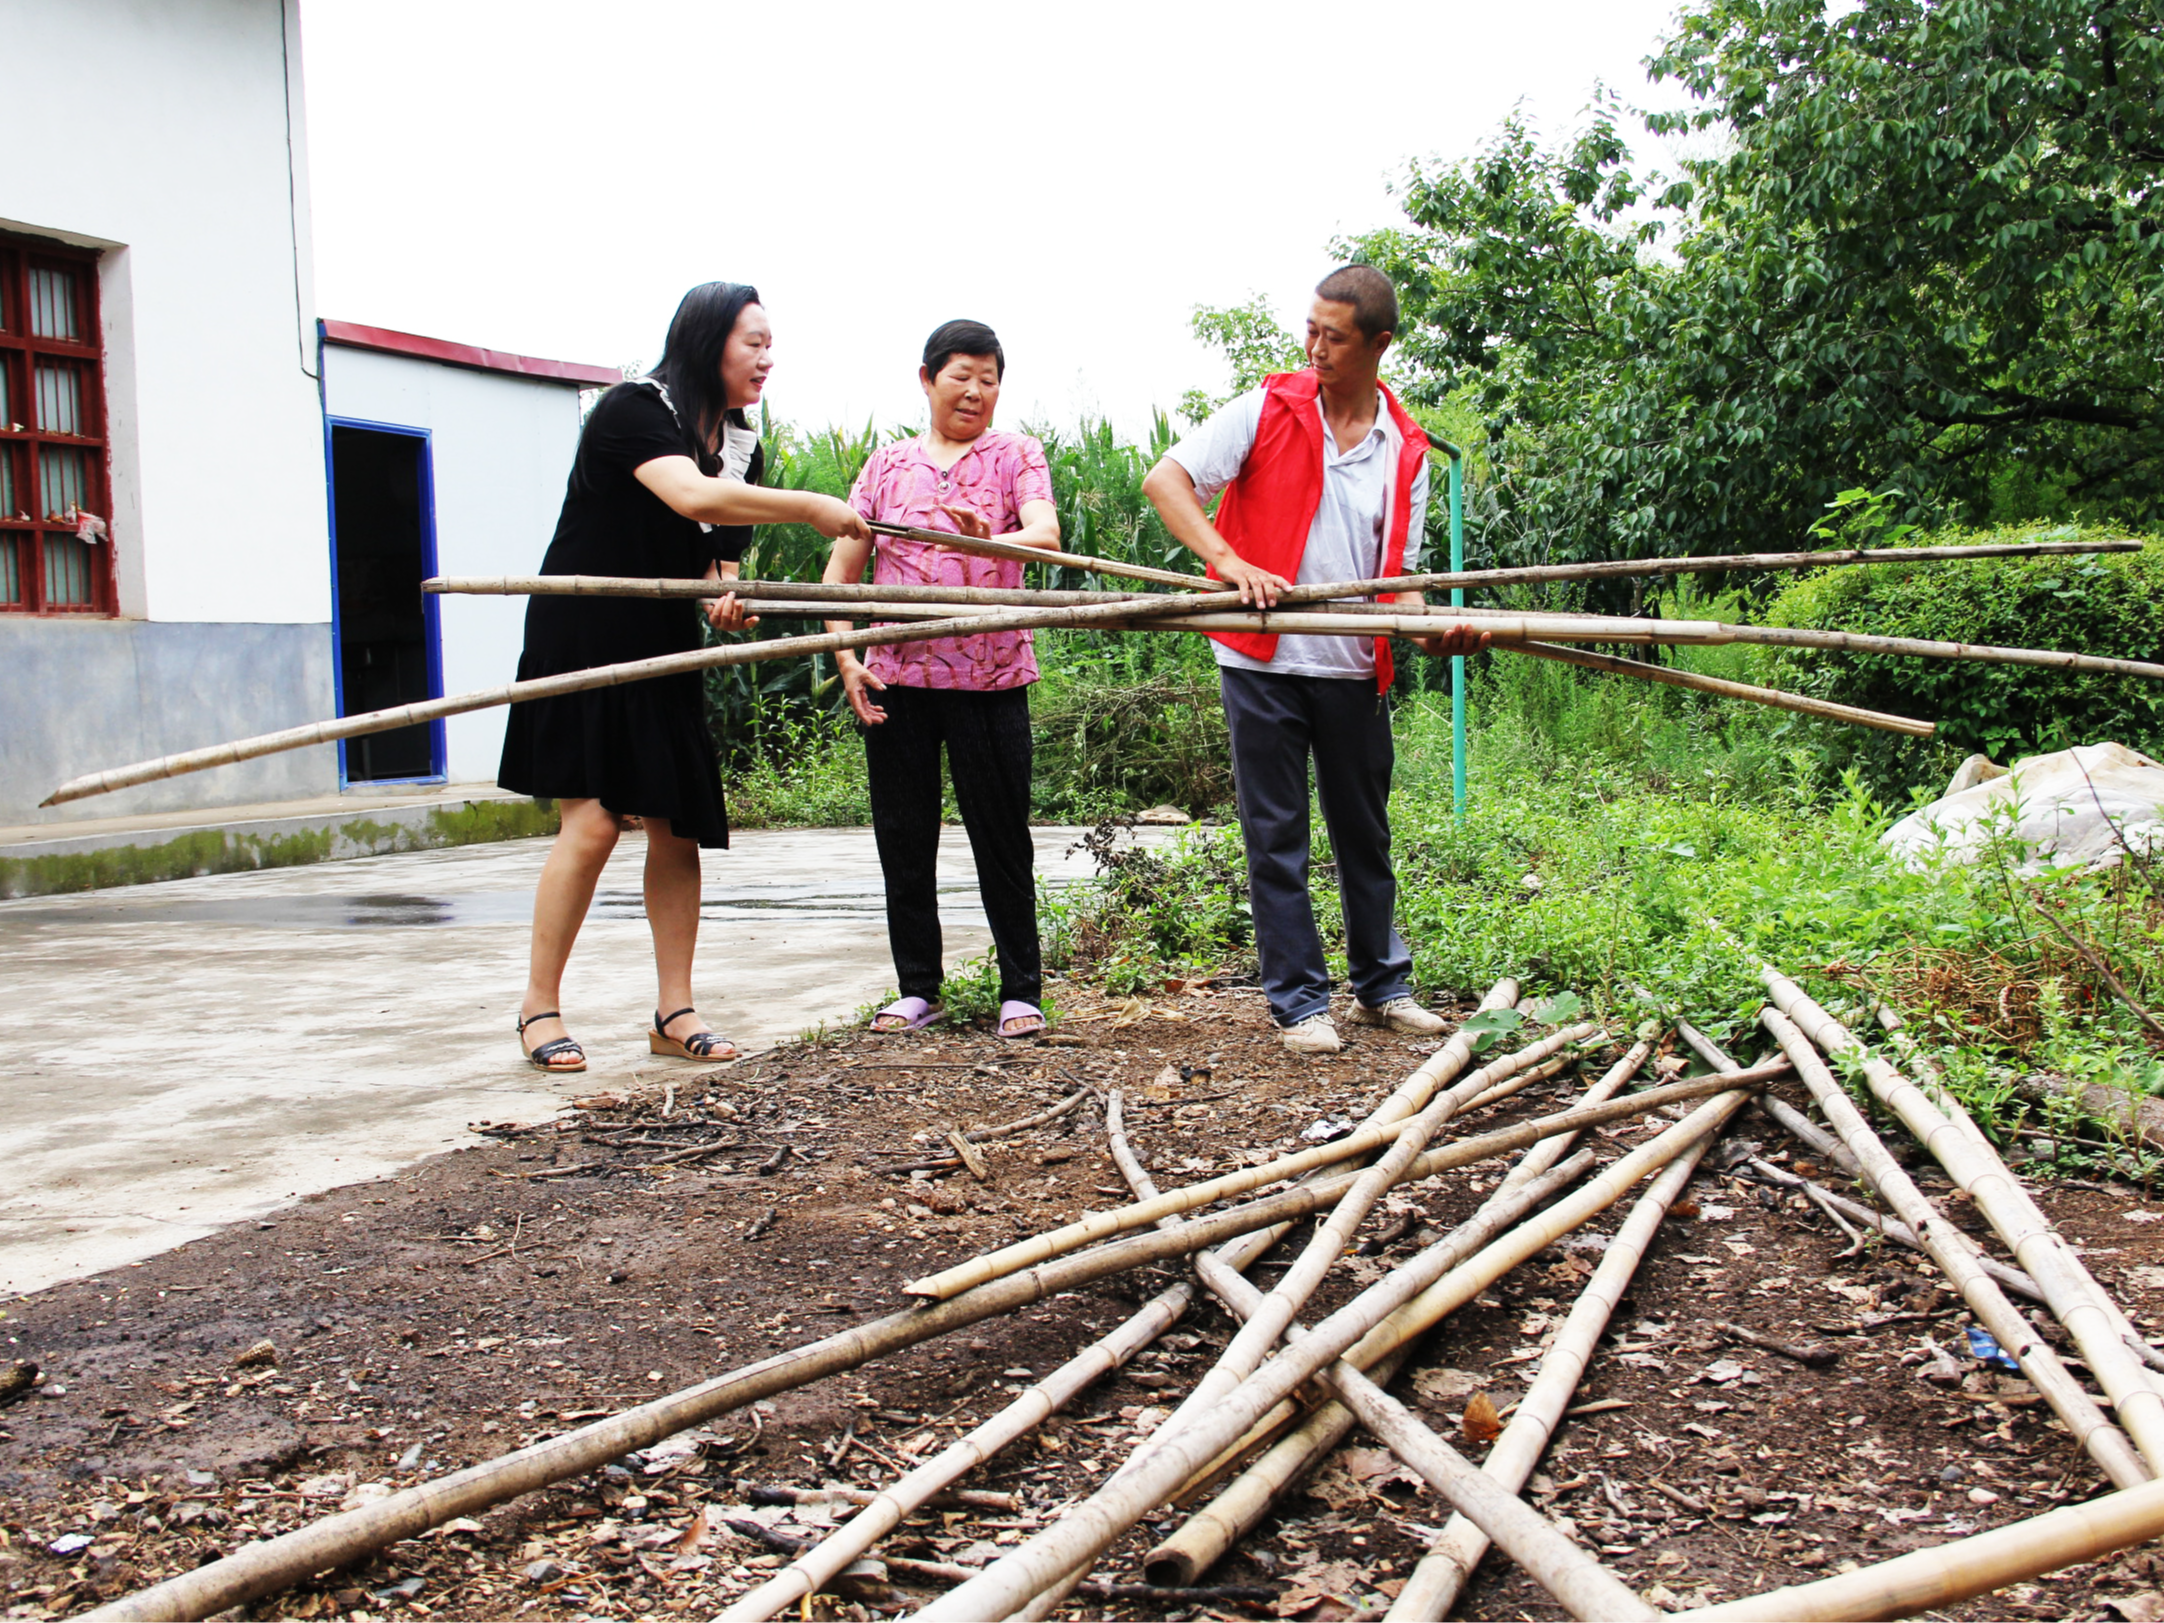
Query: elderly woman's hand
x=968, y=521
x=729, y=613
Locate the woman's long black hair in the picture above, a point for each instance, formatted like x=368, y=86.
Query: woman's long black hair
x=690, y=364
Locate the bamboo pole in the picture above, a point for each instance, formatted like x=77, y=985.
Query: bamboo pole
x=1532, y=1541
x=1892, y=1228
x=1463, y=1152
x=1934, y=1085
x=1198, y=1549
x=1504, y=628
x=1823, y=1142
x=2076, y=1300
x=1508, y=626
x=816, y=1567
x=1015, y=552
x=1439, y=1069
x=1272, y=1313
x=1773, y=697
x=1200, y=1541
x=884, y=1511
x=1946, y=1574
x=1266, y=1321
x=1463, y=1283
x=278, y=1563
x=1956, y=1255
x=1440, y=1577
x=1628, y=568
x=1087, y=1529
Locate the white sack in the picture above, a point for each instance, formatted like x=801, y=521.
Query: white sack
x=2063, y=807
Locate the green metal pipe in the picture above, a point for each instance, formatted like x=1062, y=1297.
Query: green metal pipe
x=1457, y=601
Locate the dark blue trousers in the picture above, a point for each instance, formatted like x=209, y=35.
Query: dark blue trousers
x=1279, y=723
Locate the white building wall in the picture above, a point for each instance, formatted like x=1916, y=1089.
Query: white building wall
x=501, y=446
x=172, y=132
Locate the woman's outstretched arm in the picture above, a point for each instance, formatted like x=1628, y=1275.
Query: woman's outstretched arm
x=678, y=481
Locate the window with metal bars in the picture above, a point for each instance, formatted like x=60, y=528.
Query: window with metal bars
x=55, y=552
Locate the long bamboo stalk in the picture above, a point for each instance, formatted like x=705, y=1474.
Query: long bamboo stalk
x=1086, y=1530
x=1440, y=1069
x=1273, y=1312
x=1892, y=1228
x=1015, y=552
x=1578, y=1582
x=1503, y=627
x=280, y=1562
x=1467, y=1281
x=811, y=1571
x=1946, y=1574
x=1773, y=697
x=1267, y=1319
x=1100, y=1225
x=1508, y=626
x=1934, y=1085
x=1956, y=1255
x=816, y=1567
x=2075, y=1298
x=1628, y=568
x=1200, y=1541
x=1439, y=1579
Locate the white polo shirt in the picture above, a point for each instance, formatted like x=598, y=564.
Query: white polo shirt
x=1346, y=540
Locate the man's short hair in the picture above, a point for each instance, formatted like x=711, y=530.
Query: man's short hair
x=952, y=338
x=1368, y=291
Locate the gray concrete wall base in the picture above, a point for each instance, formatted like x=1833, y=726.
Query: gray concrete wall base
x=95, y=861
x=83, y=695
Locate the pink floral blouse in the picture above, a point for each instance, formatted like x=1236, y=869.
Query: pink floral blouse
x=902, y=485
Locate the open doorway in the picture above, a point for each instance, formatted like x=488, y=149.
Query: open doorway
x=383, y=542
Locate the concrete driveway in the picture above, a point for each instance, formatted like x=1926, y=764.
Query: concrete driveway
x=185, y=1055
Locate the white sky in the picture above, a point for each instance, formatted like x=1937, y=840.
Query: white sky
x=549, y=178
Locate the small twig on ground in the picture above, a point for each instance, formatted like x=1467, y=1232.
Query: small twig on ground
x=1815, y=1357
x=772, y=1164
x=763, y=1222
x=1696, y=1507
x=972, y=1157
x=966, y=1498
x=1816, y=1197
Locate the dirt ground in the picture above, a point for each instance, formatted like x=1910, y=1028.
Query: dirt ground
x=368, y=1338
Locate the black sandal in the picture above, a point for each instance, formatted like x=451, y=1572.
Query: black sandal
x=543, y=1058
x=700, y=1045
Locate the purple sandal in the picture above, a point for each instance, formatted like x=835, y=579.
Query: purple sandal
x=1013, y=1010
x=909, y=1013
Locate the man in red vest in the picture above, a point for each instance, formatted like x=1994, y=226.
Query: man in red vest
x=1325, y=478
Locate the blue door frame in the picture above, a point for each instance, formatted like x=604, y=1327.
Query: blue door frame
x=431, y=629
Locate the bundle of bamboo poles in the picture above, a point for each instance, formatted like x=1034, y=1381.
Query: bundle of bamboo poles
x=924, y=613
x=1255, y=1423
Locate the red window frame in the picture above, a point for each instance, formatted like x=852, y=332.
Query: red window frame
x=53, y=563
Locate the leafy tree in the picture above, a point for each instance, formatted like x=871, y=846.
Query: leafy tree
x=1930, y=256
x=1252, y=343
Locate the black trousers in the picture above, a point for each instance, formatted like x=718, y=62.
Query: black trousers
x=987, y=739
x=1278, y=724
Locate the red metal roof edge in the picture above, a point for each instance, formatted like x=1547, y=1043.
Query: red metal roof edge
x=355, y=336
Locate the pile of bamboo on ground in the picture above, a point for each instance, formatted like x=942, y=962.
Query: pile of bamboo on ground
x=1291, y=1385
x=1340, y=608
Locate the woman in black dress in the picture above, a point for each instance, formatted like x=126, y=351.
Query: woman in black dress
x=665, y=484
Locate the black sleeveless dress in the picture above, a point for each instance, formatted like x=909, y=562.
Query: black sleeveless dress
x=641, y=749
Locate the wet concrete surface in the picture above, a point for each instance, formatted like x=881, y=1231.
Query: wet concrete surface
x=196, y=1053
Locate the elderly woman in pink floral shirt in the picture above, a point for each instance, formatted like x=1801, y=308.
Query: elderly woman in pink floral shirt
x=968, y=694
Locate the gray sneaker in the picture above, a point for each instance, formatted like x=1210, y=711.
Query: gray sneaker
x=1400, y=1014
x=1314, y=1035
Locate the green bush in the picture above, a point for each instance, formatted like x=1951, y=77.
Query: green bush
x=2110, y=604
x=810, y=775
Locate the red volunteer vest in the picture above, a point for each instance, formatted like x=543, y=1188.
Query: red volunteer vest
x=1269, y=508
